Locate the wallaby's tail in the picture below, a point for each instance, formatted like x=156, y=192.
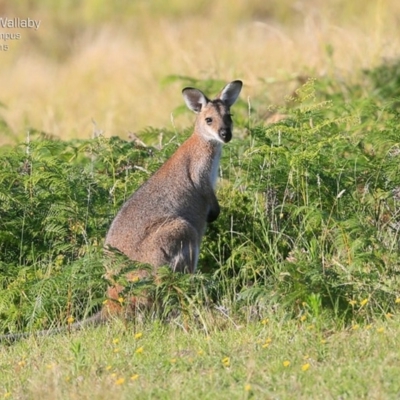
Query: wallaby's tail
x=95, y=319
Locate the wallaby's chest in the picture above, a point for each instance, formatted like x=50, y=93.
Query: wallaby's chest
x=202, y=161
x=215, y=167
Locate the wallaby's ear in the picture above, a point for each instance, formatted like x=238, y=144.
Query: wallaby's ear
x=194, y=99
x=230, y=92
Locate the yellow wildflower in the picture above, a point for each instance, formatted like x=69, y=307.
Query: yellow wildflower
x=267, y=343
x=363, y=302
x=226, y=361
x=134, y=377
x=303, y=318
x=120, y=381
x=397, y=301
x=305, y=367
x=381, y=330
x=138, y=335
x=139, y=350
x=265, y=321
x=116, y=340
x=121, y=300
x=286, y=363
x=70, y=320
x=355, y=327
x=247, y=387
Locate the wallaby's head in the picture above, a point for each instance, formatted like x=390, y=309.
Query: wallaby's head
x=214, y=120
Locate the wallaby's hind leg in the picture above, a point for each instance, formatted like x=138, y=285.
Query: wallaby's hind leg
x=175, y=243
x=119, y=306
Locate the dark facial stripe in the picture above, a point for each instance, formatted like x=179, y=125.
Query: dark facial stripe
x=222, y=111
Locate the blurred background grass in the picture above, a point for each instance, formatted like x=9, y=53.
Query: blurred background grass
x=108, y=61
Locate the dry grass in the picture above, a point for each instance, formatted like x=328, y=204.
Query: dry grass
x=108, y=65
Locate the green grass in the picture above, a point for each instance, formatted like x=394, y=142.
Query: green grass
x=272, y=358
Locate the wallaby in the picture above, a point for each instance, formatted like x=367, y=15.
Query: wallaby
x=163, y=222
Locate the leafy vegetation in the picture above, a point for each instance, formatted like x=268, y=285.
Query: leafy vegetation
x=310, y=209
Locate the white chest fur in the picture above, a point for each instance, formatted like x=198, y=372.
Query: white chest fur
x=215, y=166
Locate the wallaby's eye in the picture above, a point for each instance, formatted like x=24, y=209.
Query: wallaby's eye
x=209, y=120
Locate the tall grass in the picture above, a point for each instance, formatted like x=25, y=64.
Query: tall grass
x=91, y=60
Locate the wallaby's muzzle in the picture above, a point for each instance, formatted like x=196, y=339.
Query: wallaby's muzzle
x=225, y=134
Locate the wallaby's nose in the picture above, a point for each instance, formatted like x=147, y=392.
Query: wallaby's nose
x=225, y=134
